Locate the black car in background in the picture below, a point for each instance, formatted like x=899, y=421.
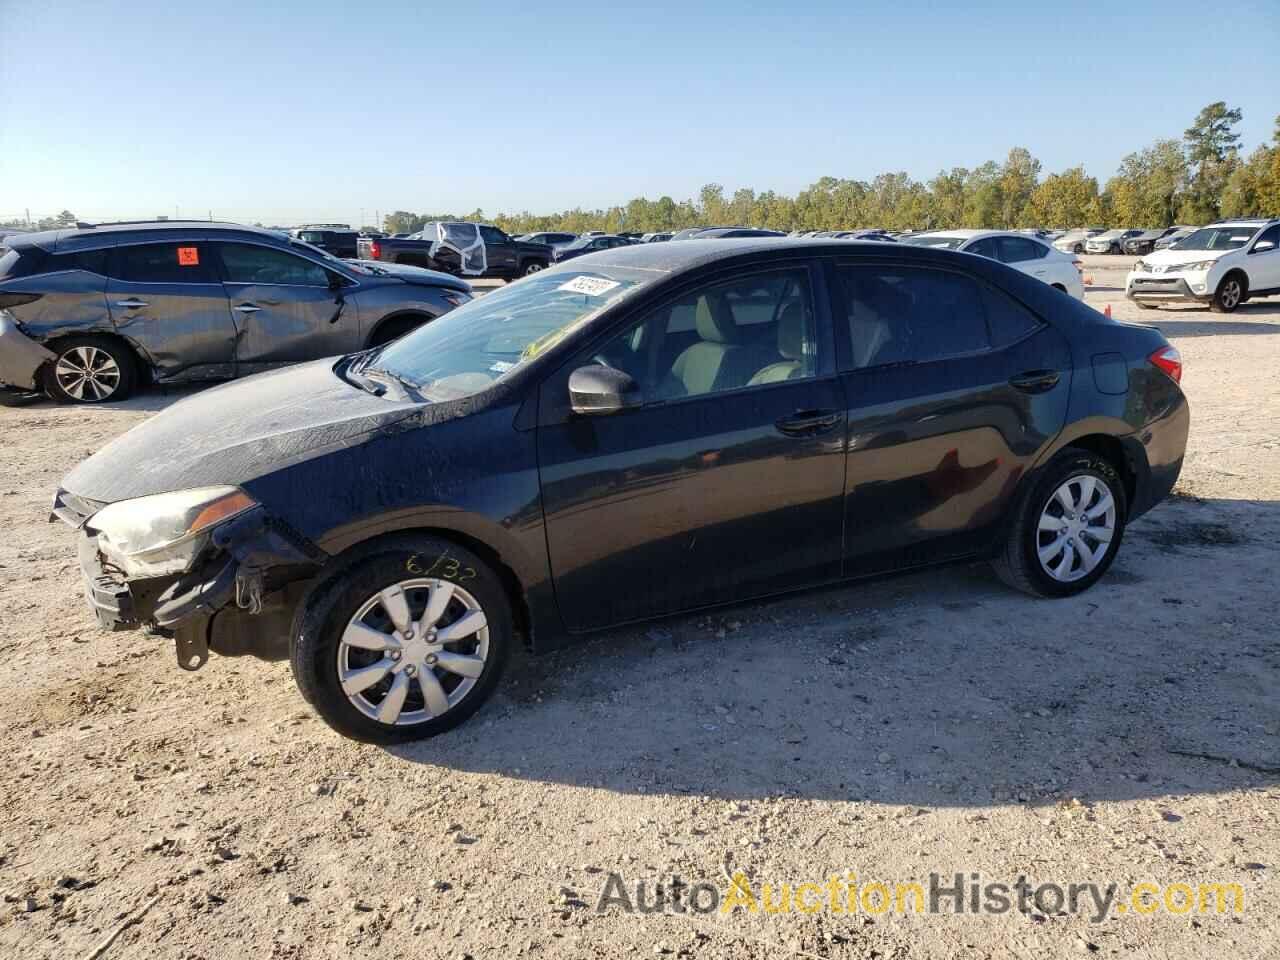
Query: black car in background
x=1146, y=241
x=88, y=314
x=646, y=431
x=590, y=244
x=1178, y=233
x=461, y=248
x=338, y=241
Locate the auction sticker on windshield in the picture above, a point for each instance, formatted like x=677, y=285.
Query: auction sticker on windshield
x=591, y=286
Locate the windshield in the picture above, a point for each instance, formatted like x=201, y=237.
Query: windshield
x=1216, y=238
x=471, y=348
x=946, y=243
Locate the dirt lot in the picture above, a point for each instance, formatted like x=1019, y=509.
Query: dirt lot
x=931, y=723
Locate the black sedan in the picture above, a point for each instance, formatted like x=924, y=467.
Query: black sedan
x=647, y=431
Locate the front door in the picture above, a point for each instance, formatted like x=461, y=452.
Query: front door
x=953, y=390
x=1264, y=263
x=287, y=308
x=167, y=299
x=727, y=482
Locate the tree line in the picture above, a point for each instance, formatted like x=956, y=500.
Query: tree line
x=1195, y=180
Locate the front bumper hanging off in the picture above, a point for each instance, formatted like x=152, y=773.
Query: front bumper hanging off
x=238, y=599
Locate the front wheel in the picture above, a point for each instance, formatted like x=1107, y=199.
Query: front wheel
x=1068, y=527
x=403, y=644
x=1228, y=296
x=1078, y=248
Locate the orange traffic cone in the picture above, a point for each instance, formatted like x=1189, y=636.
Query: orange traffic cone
x=1106, y=311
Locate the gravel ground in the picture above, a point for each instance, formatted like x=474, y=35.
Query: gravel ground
x=929, y=723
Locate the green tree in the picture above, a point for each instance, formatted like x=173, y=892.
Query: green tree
x=1018, y=179
x=1212, y=145
x=1064, y=199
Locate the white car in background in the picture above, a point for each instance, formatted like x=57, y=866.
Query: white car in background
x=1028, y=254
x=1223, y=265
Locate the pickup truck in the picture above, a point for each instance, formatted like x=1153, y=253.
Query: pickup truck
x=462, y=249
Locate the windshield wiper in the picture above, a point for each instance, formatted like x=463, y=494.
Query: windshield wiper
x=381, y=377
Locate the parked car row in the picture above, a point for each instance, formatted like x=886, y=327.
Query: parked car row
x=88, y=314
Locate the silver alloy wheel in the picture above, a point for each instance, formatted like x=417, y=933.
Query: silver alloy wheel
x=1076, y=527
x=413, y=651
x=1230, y=295
x=532, y=268
x=87, y=373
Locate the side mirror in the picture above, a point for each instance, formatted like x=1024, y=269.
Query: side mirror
x=599, y=389
x=1262, y=246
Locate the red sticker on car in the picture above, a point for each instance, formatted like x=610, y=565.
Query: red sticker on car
x=189, y=256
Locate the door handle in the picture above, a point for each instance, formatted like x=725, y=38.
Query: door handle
x=247, y=308
x=132, y=303
x=1035, y=381
x=808, y=423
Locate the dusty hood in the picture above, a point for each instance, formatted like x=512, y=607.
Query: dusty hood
x=1169, y=257
x=236, y=432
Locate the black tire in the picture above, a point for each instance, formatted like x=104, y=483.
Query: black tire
x=1018, y=562
x=72, y=353
x=1147, y=306
x=394, y=329
x=1115, y=250
x=533, y=266
x=1078, y=248
x=322, y=618
x=1231, y=292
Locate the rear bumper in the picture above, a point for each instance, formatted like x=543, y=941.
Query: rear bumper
x=1163, y=445
x=20, y=357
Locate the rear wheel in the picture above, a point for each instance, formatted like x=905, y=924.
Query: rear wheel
x=404, y=644
x=1078, y=248
x=1068, y=527
x=1229, y=295
x=534, y=266
x=90, y=370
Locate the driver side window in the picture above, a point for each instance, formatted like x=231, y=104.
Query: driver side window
x=747, y=332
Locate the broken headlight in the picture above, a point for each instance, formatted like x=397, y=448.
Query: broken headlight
x=163, y=534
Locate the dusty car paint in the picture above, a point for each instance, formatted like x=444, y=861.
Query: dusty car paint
x=682, y=510
x=210, y=328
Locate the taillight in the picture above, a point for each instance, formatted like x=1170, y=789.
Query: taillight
x=375, y=250
x=1169, y=360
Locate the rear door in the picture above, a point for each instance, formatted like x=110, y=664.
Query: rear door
x=953, y=390
x=1023, y=254
x=167, y=298
x=287, y=308
x=725, y=484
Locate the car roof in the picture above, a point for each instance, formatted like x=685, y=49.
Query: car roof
x=111, y=234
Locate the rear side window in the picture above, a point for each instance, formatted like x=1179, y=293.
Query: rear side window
x=911, y=314
x=1009, y=320
x=173, y=262
x=246, y=263
x=1020, y=249
x=492, y=235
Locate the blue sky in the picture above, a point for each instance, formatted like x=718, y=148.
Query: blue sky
x=289, y=111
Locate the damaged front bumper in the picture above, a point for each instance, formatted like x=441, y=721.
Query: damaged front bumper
x=20, y=357
x=237, y=599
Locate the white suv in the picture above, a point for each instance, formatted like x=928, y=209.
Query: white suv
x=1222, y=265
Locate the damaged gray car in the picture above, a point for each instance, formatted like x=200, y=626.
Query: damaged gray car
x=89, y=314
